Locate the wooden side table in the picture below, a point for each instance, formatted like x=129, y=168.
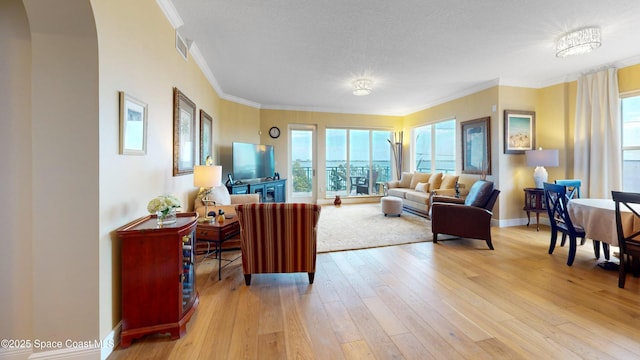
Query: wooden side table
x=217, y=234
x=534, y=202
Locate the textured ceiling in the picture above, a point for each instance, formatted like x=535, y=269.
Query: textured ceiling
x=303, y=54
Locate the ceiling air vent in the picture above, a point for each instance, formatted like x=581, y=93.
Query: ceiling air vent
x=181, y=45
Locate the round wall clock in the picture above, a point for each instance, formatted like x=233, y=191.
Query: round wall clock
x=274, y=132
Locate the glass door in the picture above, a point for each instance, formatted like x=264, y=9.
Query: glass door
x=302, y=164
x=358, y=162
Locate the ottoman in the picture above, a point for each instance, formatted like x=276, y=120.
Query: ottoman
x=391, y=205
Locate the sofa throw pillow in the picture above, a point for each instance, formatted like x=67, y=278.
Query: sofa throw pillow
x=419, y=177
x=220, y=195
x=479, y=193
x=405, y=180
x=449, y=181
x=435, y=180
x=422, y=187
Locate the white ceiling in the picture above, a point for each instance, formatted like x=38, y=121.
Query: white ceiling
x=303, y=54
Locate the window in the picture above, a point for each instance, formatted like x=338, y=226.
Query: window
x=357, y=161
x=434, y=147
x=630, y=110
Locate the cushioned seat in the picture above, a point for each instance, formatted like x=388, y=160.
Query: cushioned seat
x=555, y=198
x=278, y=238
x=418, y=197
x=391, y=205
x=470, y=218
x=416, y=189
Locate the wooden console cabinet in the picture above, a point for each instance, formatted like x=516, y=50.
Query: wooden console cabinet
x=269, y=190
x=159, y=292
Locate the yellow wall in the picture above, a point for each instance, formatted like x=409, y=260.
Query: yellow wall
x=555, y=113
x=463, y=109
x=137, y=55
x=514, y=174
x=239, y=123
x=555, y=109
x=68, y=61
x=283, y=118
x=629, y=78
x=466, y=108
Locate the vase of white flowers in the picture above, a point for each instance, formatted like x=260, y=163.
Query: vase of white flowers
x=164, y=206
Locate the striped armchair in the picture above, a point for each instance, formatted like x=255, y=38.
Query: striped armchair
x=278, y=238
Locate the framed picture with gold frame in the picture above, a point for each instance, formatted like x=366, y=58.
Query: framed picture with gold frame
x=476, y=146
x=519, y=131
x=206, y=126
x=184, y=133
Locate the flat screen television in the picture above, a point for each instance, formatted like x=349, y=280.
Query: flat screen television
x=252, y=161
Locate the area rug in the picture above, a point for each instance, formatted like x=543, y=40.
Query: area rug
x=359, y=226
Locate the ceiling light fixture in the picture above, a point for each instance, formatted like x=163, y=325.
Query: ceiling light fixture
x=362, y=87
x=578, y=42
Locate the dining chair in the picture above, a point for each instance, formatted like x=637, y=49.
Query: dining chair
x=629, y=243
x=555, y=197
x=572, y=187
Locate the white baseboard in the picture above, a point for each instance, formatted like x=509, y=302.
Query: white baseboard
x=519, y=222
x=351, y=200
x=15, y=354
x=96, y=350
x=67, y=353
x=111, y=341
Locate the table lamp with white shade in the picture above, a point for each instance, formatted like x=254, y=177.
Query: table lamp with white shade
x=541, y=158
x=207, y=177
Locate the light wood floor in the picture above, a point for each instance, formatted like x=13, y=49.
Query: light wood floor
x=451, y=300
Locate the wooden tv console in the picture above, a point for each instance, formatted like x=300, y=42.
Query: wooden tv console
x=269, y=190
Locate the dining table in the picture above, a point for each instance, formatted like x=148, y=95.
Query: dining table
x=598, y=218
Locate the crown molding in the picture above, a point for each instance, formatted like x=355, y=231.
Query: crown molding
x=176, y=21
x=470, y=90
x=240, y=100
x=634, y=60
x=324, y=110
x=202, y=63
x=171, y=13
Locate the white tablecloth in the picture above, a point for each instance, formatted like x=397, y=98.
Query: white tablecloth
x=598, y=218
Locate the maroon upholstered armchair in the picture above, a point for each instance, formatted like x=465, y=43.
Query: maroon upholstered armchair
x=468, y=218
x=278, y=238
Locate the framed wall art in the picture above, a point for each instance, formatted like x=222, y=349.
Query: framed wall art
x=476, y=146
x=206, y=125
x=184, y=133
x=519, y=131
x=133, y=125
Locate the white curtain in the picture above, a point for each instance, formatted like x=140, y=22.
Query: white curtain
x=598, y=144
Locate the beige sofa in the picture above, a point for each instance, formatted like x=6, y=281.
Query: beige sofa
x=417, y=189
x=223, y=200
